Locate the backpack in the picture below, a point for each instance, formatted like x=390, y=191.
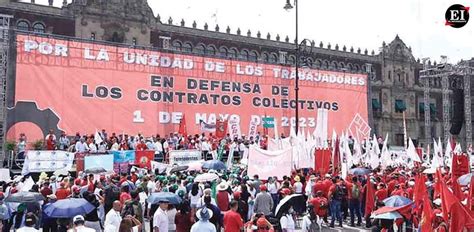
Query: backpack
x=133, y=208
x=339, y=193
x=355, y=191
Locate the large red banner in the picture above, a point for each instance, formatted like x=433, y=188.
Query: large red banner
x=82, y=87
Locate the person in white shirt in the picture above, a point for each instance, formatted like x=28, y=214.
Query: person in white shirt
x=160, y=218
x=81, y=146
x=30, y=222
x=203, y=225
x=287, y=221
x=113, y=218
x=78, y=222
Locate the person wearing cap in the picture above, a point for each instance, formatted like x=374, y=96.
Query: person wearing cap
x=232, y=220
x=262, y=225
x=263, y=202
x=160, y=218
x=30, y=222
x=78, y=223
x=203, y=225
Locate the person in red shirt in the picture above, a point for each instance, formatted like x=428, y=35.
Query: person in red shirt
x=398, y=191
x=320, y=205
x=391, y=185
x=125, y=195
x=141, y=146
x=62, y=192
x=46, y=190
x=381, y=193
x=223, y=197
x=327, y=183
x=232, y=220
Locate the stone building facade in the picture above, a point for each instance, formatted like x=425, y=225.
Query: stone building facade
x=395, y=85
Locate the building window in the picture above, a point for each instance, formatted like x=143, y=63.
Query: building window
x=92, y=36
x=177, y=45
x=200, y=49
x=211, y=50
x=23, y=25
x=400, y=106
x=273, y=58
x=232, y=53
x=187, y=47
x=376, y=104
x=223, y=52
x=134, y=41
x=399, y=139
x=253, y=56
x=39, y=27
x=244, y=54
x=264, y=57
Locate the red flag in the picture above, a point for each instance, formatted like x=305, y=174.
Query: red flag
x=426, y=215
x=419, y=191
x=221, y=128
x=143, y=158
x=182, y=127
x=437, y=187
x=457, y=190
x=460, y=218
x=322, y=161
x=448, y=199
x=460, y=165
x=369, y=198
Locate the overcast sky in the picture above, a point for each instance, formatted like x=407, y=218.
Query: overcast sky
x=363, y=23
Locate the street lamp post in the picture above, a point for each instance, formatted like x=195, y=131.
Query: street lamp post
x=288, y=7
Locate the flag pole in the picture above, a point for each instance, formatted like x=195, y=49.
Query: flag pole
x=404, y=131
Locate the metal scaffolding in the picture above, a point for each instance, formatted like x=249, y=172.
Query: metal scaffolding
x=445, y=72
x=4, y=47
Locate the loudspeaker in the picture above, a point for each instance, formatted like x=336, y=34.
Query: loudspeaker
x=458, y=112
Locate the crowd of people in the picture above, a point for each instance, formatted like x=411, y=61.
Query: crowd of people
x=232, y=202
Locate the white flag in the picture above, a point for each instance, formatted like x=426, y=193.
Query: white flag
x=97, y=138
x=448, y=159
x=277, y=136
x=386, y=157
x=253, y=129
x=411, y=152
x=234, y=129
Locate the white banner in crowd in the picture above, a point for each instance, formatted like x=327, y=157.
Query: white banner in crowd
x=253, y=129
x=269, y=163
x=47, y=161
x=234, y=129
x=183, y=157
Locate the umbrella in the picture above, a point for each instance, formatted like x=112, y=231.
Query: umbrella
x=206, y=177
x=214, y=164
x=96, y=170
x=61, y=172
x=390, y=215
x=285, y=204
x=465, y=179
x=429, y=171
x=397, y=201
x=155, y=198
x=359, y=171
x=68, y=208
x=195, y=166
x=179, y=169
x=24, y=197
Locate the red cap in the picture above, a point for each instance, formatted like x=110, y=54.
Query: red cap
x=236, y=195
x=76, y=189
x=261, y=222
x=263, y=188
x=285, y=191
x=77, y=181
x=62, y=184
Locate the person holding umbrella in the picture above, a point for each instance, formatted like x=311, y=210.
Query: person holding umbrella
x=30, y=222
x=160, y=218
x=49, y=223
x=287, y=221
x=78, y=222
